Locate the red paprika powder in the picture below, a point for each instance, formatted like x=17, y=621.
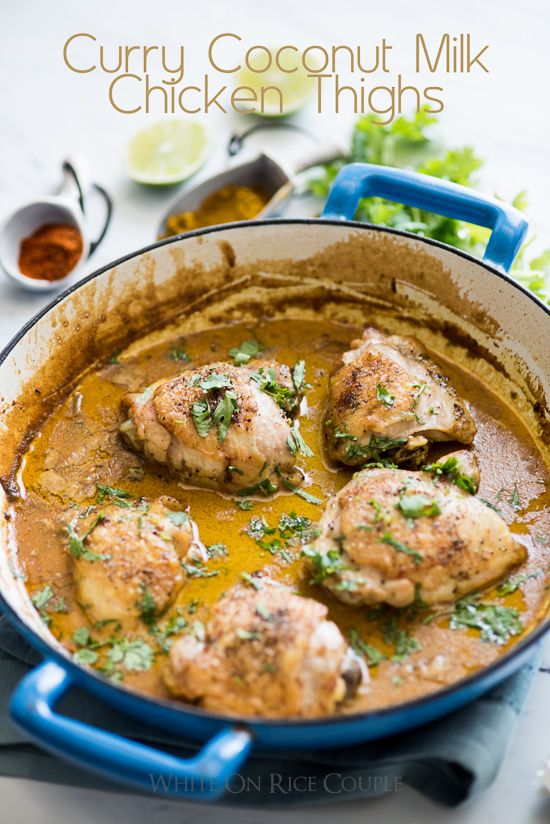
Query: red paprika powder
x=50, y=252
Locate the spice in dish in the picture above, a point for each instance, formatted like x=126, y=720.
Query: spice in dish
x=228, y=204
x=51, y=252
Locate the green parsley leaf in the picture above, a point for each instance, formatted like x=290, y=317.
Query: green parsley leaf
x=265, y=487
x=76, y=542
x=514, y=499
x=268, y=383
x=401, y=547
x=200, y=415
x=178, y=353
x=85, y=656
x=496, y=624
x=513, y=583
x=146, y=606
x=311, y=499
x=371, y=653
x=178, y=518
x=417, y=506
x=214, y=381
x=384, y=396
x=217, y=551
x=42, y=598
x=226, y=408
x=244, y=505
x=452, y=469
x=324, y=564
x=114, y=494
x=246, y=350
x=299, y=375
x=296, y=443
x=81, y=636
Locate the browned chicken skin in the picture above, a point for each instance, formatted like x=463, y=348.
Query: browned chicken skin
x=267, y=652
x=130, y=570
x=228, y=437
x=388, y=398
x=392, y=535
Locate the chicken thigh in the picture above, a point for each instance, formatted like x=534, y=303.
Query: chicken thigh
x=267, y=652
x=387, y=398
x=219, y=426
x=127, y=560
x=393, y=535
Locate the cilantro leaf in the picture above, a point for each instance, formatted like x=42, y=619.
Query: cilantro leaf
x=200, y=415
x=384, y=396
x=246, y=350
x=401, y=547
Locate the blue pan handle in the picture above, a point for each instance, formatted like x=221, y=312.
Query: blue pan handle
x=432, y=194
x=202, y=777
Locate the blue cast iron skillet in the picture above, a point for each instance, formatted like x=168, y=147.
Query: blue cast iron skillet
x=229, y=741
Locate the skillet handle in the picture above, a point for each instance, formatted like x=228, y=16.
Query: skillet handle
x=432, y=194
x=202, y=777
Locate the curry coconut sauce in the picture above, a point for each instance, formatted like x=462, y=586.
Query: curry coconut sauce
x=78, y=462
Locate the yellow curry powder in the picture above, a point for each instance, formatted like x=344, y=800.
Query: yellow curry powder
x=224, y=206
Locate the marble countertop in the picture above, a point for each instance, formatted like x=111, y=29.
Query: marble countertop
x=48, y=113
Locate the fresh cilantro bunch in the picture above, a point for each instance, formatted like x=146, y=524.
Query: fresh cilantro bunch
x=408, y=143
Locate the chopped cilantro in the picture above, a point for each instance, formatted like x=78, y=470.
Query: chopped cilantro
x=496, y=624
x=114, y=494
x=372, y=654
x=299, y=375
x=403, y=642
x=178, y=353
x=76, y=542
x=200, y=415
x=311, y=499
x=384, y=396
x=81, y=636
x=86, y=656
x=217, y=550
x=245, y=505
x=224, y=411
x=246, y=350
x=214, y=381
x=146, y=606
x=178, y=518
x=265, y=487
x=296, y=443
x=513, y=583
x=267, y=382
x=324, y=564
x=514, y=500
x=132, y=655
x=417, y=506
x=401, y=547
x=451, y=468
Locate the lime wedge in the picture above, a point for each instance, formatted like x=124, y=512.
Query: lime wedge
x=296, y=87
x=167, y=152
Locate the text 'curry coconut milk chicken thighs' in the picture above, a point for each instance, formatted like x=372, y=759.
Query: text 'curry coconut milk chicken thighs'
x=266, y=652
x=393, y=536
x=387, y=398
x=219, y=426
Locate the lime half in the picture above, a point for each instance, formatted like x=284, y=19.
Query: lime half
x=295, y=86
x=167, y=152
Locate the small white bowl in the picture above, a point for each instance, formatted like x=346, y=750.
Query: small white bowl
x=24, y=222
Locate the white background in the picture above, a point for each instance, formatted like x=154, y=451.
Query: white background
x=48, y=112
